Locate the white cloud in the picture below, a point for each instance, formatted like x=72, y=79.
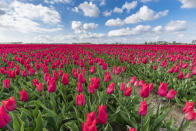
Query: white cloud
x=26, y=17
x=114, y=22
x=188, y=3
x=89, y=9
x=90, y=26
x=75, y=9
x=80, y=28
x=129, y=5
x=145, y=14
x=178, y=25
x=130, y=31
x=107, y=13
x=118, y=10
x=56, y=1
x=102, y=3
x=144, y=1
x=158, y=29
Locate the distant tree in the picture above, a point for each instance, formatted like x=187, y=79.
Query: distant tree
x=174, y=42
x=194, y=42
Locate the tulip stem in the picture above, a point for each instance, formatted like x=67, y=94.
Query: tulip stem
x=141, y=123
x=9, y=127
x=158, y=107
x=181, y=125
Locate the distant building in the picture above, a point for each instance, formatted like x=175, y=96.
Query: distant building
x=194, y=42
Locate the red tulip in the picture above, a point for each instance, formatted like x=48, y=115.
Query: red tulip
x=10, y=104
x=171, y=94
x=35, y=82
x=189, y=106
x=81, y=78
x=65, y=79
x=144, y=60
x=190, y=116
x=91, y=118
x=102, y=116
x=107, y=77
x=143, y=108
x=132, y=129
x=92, y=70
x=162, y=91
x=128, y=91
x=150, y=87
x=122, y=87
x=144, y=92
x=154, y=67
x=4, y=117
x=60, y=72
x=79, y=87
x=133, y=79
x=118, y=70
x=188, y=76
x=123, y=69
x=39, y=87
x=91, y=88
x=24, y=73
x=6, y=83
x=110, y=88
x=90, y=124
x=51, y=86
x=96, y=82
x=80, y=100
x=23, y=95
x=171, y=70
x=194, y=71
x=181, y=75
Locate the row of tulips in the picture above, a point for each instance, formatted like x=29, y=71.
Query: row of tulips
x=52, y=87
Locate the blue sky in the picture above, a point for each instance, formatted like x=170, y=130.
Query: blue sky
x=97, y=21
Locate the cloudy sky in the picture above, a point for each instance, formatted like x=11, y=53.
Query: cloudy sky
x=97, y=21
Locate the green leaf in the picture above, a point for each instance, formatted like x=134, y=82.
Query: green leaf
x=72, y=126
x=146, y=125
x=160, y=118
x=108, y=127
x=16, y=124
x=39, y=125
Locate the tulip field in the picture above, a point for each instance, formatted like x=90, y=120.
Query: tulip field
x=97, y=87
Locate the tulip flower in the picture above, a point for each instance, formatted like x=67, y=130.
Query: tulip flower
x=162, y=91
x=171, y=94
x=132, y=129
x=144, y=92
x=10, y=104
x=39, y=87
x=181, y=75
x=92, y=70
x=80, y=100
x=102, y=115
x=79, y=87
x=190, y=116
x=133, y=79
x=122, y=87
x=143, y=108
x=6, y=83
x=4, y=117
x=188, y=75
x=110, y=88
x=189, y=106
x=23, y=95
x=91, y=88
x=51, y=86
x=128, y=91
x=65, y=79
